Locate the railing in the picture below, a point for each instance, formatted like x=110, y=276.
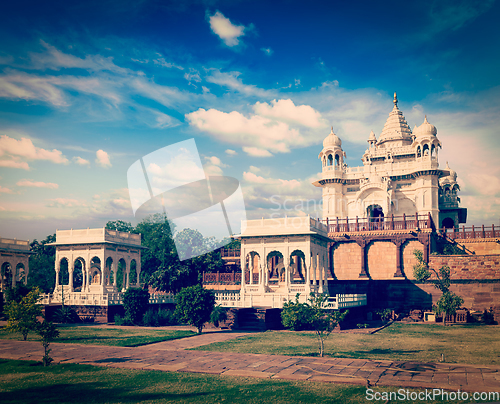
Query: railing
x=404, y=222
x=230, y=252
x=472, y=232
x=231, y=278
x=97, y=299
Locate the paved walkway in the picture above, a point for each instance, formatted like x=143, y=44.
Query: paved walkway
x=173, y=356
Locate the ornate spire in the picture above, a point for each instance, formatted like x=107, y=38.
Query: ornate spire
x=395, y=100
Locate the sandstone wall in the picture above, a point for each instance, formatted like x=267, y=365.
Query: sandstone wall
x=347, y=260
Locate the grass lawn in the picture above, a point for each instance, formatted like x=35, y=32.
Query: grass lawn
x=473, y=344
x=107, y=336
x=27, y=382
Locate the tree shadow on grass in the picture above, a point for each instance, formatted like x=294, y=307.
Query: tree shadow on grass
x=380, y=352
x=87, y=392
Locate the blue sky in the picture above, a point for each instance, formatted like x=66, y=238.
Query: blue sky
x=87, y=89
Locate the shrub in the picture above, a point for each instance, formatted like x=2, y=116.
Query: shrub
x=66, y=315
x=295, y=315
x=135, y=303
x=22, y=315
x=218, y=315
x=385, y=314
x=194, y=305
x=125, y=320
x=167, y=317
x=48, y=332
x=313, y=316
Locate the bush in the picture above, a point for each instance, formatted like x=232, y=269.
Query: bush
x=194, y=305
x=218, y=315
x=296, y=316
x=125, y=320
x=48, y=332
x=23, y=314
x=158, y=318
x=66, y=315
x=385, y=315
x=135, y=303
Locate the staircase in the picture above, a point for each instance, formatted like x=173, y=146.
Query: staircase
x=251, y=319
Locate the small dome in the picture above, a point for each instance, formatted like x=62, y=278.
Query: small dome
x=372, y=137
x=425, y=129
x=332, y=140
x=453, y=173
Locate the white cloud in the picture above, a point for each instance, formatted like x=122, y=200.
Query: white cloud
x=266, y=196
x=256, y=152
x=65, y=203
x=287, y=111
x=102, y=159
x=225, y=29
x=6, y=190
x=14, y=163
x=37, y=184
x=81, y=161
x=233, y=82
x=267, y=51
x=259, y=135
x=14, y=151
x=270, y=130
x=231, y=152
x=214, y=165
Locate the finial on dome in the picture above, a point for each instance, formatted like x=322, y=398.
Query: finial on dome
x=447, y=166
x=425, y=119
x=332, y=129
x=395, y=99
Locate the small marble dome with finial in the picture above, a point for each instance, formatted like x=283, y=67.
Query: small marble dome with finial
x=425, y=129
x=332, y=140
x=452, y=177
x=372, y=137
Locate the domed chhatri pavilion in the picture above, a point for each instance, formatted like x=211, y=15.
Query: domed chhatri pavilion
x=400, y=176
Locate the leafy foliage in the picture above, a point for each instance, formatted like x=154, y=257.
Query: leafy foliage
x=66, y=315
x=17, y=293
x=135, y=303
x=42, y=264
x=48, y=332
x=312, y=316
x=194, y=305
x=295, y=315
x=159, y=318
x=218, y=315
x=23, y=314
x=160, y=265
x=449, y=302
x=385, y=314
x=120, y=225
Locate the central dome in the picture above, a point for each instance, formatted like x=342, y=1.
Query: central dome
x=332, y=140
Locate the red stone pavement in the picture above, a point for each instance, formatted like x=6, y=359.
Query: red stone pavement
x=173, y=356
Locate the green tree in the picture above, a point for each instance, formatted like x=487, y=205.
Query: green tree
x=449, y=302
x=194, y=305
x=157, y=237
x=135, y=303
x=48, y=333
x=175, y=275
x=120, y=225
x=312, y=315
x=42, y=264
x=23, y=314
x=295, y=315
